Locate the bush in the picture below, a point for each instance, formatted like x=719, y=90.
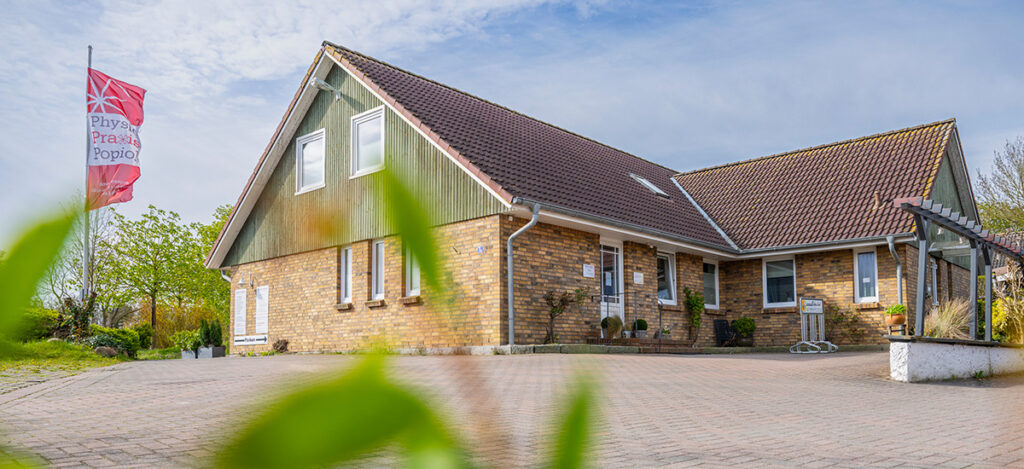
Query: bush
x=187, y=340
x=125, y=341
x=614, y=326
x=210, y=333
x=744, y=326
x=896, y=309
x=604, y=323
x=640, y=325
x=281, y=346
x=37, y=323
x=695, y=305
x=145, y=331
x=948, y=320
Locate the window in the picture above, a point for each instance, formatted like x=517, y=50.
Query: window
x=649, y=185
x=368, y=142
x=779, y=283
x=309, y=162
x=345, y=276
x=710, y=285
x=377, y=270
x=865, y=277
x=412, y=274
x=667, y=278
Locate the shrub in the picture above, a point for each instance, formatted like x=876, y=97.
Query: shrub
x=145, y=331
x=187, y=340
x=210, y=333
x=125, y=341
x=640, y=325
x=38, y=323
x=695, y=305
x=948, y=320
x=744, y=326
x=614, y=325
x=843, y=326
x=280, y=346
x=604, y=323
x=896, y=309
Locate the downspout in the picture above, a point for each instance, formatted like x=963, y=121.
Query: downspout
x=511, y=310
x=225, y=277
x=899, y=269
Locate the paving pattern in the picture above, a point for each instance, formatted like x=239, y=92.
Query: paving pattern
x=771, y=410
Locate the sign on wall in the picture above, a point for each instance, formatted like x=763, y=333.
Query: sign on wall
x=250, y=339
x=812, y=306
x=262, y=309
x=588, y=270
x=240, y=312
x=638, y=278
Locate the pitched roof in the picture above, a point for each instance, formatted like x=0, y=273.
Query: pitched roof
x=522, y=156
x=833, y=192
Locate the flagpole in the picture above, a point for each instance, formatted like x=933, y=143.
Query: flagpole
x=85, y=244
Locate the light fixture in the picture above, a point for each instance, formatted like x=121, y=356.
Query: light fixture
x=323, y=85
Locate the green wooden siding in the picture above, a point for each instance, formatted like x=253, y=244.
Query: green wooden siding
x=283, y=223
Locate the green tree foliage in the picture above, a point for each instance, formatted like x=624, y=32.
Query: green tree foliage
x=1001, y=192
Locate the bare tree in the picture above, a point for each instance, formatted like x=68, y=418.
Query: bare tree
x=1002, y=191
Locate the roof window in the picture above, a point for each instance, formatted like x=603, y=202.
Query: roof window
x=649, y=185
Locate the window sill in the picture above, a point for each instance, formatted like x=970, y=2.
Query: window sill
x=343, y=306
x=779, y=309
x=376, y=303
x=366, y=171
x=310, y=189
x=666, y=307
x=867, y=305
x=411, y=300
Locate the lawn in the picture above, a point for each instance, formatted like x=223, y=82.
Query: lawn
x=50, y=356
x=160, y=354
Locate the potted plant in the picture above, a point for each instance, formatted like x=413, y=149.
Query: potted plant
x=744, y=328
x=640, y=328
x=665, y=333
x=211, y=340
x=188, y=342
x=614, y=326
x=895, y=315
x=604, y=328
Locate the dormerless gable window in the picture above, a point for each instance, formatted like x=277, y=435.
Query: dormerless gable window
x=309, y=162
x=779, y=283
x=412, y=274
x=377, y=270
x=667, y=278
x=368, y=142
x=865, y=277
x=345, y=275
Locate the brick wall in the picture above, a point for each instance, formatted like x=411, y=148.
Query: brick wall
x=304, y=292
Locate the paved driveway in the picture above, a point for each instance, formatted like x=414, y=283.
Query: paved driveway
x=679, y=411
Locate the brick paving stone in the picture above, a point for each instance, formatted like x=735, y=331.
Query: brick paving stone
x=653, y=411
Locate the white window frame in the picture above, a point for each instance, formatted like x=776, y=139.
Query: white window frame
x=345, y=274
x=671, y=274
x=764, y=282
x=300, y=187
x=354, y=171
x=377, y=259
x=718, y=292
x=412, y=266
x=857, y=298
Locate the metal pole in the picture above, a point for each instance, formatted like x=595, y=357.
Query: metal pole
x=922, y=274
x=85, y=242
x=988, y=294
x=974, y=290
x=508, y=257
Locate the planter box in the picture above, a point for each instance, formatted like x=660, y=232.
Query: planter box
x=640, y=334
x=190, y=354
x=211, y=352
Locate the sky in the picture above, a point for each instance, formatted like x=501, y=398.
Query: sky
x=683, y=84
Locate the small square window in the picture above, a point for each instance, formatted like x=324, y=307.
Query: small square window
x=368, y=142
x=309, y=162
x=779, y=283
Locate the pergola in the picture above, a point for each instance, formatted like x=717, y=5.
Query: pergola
x=927, y=212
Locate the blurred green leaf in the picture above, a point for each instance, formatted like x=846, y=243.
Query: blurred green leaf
x=411, y=217
x=574, y=431
x=342, y=419
x=27, y=263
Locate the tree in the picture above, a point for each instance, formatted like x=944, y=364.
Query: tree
x=1002, y=191
x=146, y=250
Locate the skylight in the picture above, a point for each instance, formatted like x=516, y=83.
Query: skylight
x=649, y=185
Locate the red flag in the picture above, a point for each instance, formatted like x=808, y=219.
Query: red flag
x=114, y=113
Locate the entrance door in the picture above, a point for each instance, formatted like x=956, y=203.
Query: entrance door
x=611, y=281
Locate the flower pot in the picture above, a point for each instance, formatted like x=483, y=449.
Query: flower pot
x=211, y=352
x=626, y=334
x=895, y=319
x=640, y=334
x=188, y=354
x=745, y=341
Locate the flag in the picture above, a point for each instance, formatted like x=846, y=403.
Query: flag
x=114, y=115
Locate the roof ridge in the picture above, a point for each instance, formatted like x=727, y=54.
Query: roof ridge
x=818, y=147
x=506, y=108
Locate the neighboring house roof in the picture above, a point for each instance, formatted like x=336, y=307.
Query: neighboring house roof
x=534, y=160
x=833, y=192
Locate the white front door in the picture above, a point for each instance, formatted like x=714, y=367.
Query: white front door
x=611, y=281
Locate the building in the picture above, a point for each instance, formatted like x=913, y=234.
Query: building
x=752, y=236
